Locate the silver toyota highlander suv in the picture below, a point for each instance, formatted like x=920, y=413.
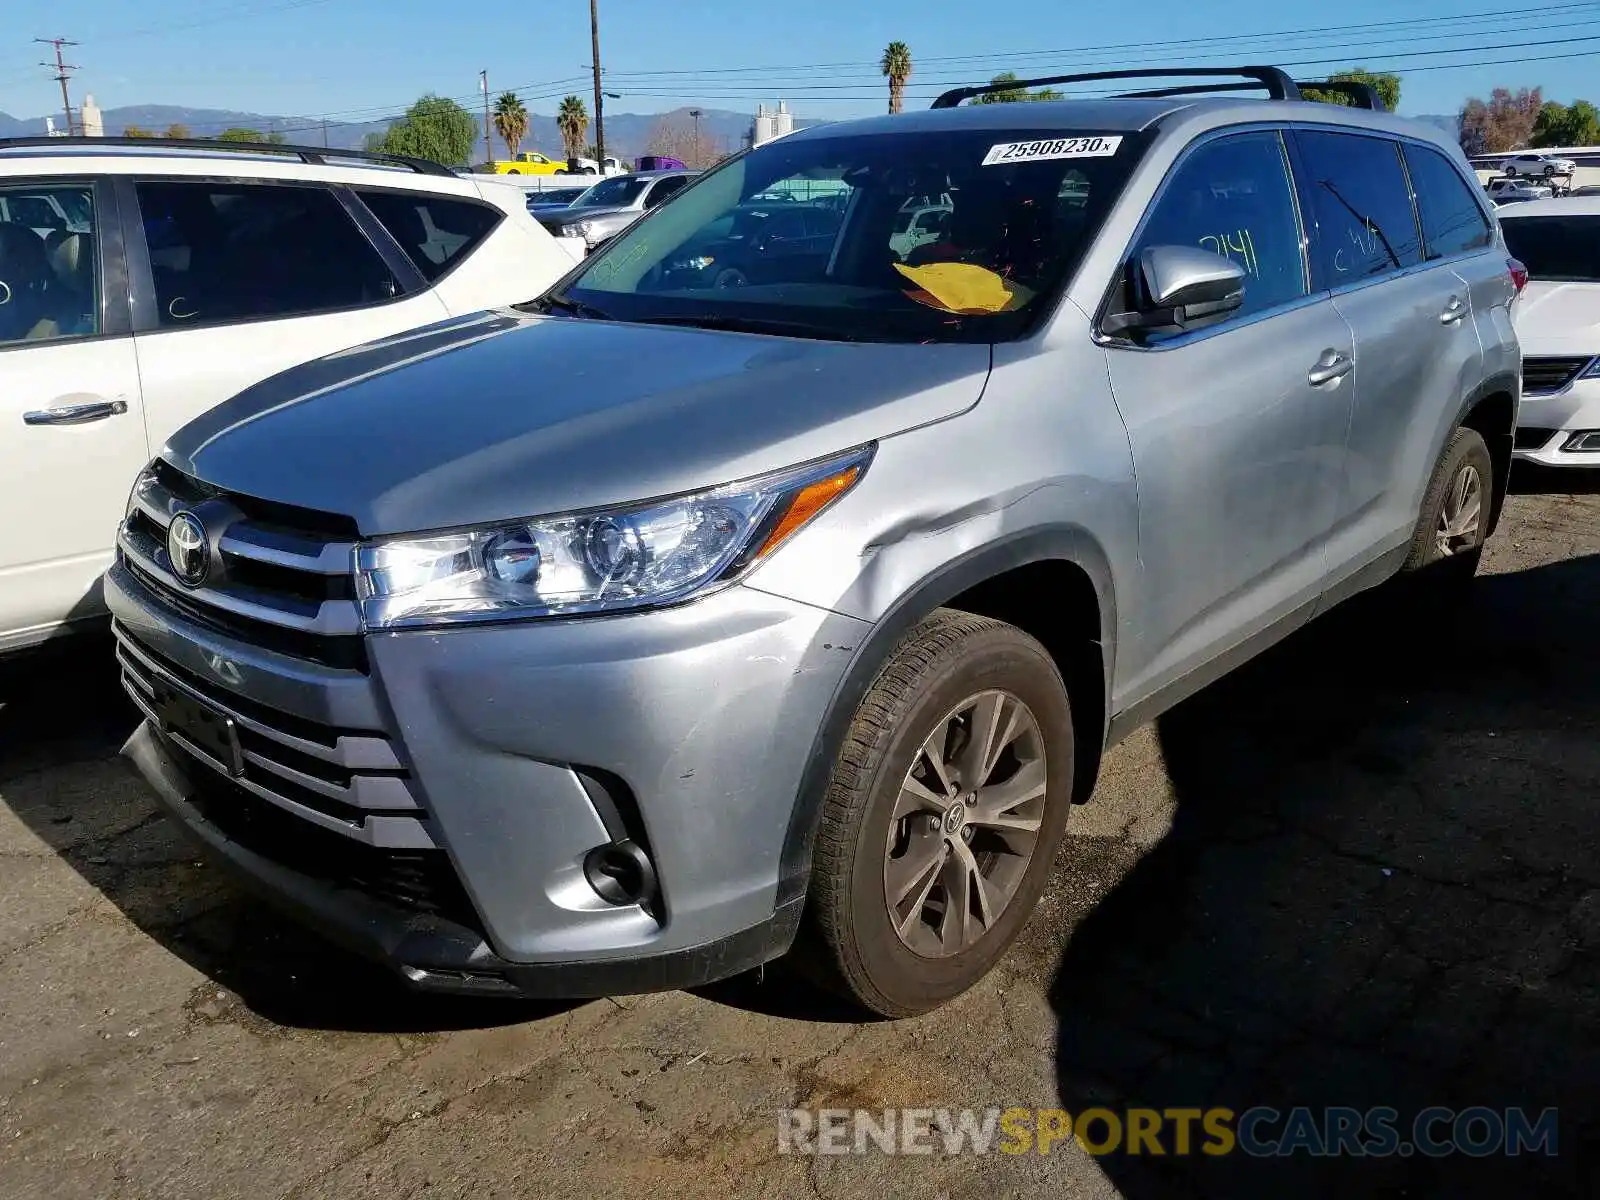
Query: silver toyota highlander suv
x=798, y=614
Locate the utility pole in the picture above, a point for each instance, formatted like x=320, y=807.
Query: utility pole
x=324, y=133
x=488, y=147
x=695, y=113
x=599, y=98
x=61, y=69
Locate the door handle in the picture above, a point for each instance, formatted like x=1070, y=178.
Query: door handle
x=1453, y=312
x=1332, y=365
x=76, y=414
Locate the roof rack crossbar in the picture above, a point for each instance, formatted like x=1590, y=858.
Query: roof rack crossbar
x=314, y=155
x=1275, y=80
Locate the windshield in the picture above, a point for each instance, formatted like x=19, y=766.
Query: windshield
x=619, y=190
x=962, y=235
x=1564, y=249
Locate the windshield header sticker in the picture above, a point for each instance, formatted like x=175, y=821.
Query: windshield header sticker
x=1073, y=147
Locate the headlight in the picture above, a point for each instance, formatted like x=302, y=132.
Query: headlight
x=629, y=557
x=583, y=229
x=1592, y=371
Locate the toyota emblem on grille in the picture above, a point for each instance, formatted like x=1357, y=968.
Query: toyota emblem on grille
x=188, y=550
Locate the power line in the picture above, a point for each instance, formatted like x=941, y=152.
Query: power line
x=1366, y=27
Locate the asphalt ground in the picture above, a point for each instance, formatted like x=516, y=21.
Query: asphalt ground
x=1362, y=871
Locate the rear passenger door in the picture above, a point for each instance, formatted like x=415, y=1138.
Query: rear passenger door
x=1237, y=429
x=237, y=280
x=1416, y=350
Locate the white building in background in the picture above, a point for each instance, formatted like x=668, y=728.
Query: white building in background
x=770, y=123
x=89, y=120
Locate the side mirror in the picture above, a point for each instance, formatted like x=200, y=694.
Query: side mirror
x=1179, y=288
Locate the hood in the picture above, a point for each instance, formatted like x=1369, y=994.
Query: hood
x=608, y=210
x=1558, y=318
x=504, y=415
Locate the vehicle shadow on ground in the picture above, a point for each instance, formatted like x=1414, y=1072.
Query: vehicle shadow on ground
x=63, y=719
x=1382, y=887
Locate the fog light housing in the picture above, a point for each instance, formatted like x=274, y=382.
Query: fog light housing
x=1585, y=441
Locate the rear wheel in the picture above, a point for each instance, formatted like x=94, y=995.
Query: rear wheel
x=947, y=804
x=1448, y=541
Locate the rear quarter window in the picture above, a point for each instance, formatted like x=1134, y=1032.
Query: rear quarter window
x=1453, y=221
x=436, y=232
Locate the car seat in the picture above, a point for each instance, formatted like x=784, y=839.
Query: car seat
x=25, y=291
x=72, y=264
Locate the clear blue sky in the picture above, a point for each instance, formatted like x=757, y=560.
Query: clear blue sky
x=363, y=59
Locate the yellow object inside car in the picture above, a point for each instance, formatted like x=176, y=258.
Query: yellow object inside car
x=964, y=288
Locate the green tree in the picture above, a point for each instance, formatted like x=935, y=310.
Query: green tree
x=177, y=132
x=240, y=133
x=435, y=128
x=136, y=131
x=1387, y=86
x=1014, y=95
x=896, y=67
x=572, y=119
x=511, y=120
x=1577, y=124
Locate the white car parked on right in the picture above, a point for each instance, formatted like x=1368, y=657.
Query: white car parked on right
x=1558, y=323
x=1539, y=164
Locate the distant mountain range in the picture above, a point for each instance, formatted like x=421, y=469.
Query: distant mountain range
x=627, y=134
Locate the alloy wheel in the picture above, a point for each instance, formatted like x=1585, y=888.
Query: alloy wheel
x=965, y=824
x=1461, y=513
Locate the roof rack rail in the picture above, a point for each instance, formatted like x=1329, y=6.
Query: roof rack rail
x=1276, y=81
x=315, y=155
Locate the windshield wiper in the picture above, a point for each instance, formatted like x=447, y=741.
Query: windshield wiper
x=757, y=325
x=575, y=308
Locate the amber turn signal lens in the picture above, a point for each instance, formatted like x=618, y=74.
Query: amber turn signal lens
x=807, y=503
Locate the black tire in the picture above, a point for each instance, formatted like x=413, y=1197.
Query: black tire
x=1511, y=171
x=1549, y=170
x=850, y=941
x=1427, y=563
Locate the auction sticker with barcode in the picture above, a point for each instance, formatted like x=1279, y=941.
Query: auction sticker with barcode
x=1073, y=147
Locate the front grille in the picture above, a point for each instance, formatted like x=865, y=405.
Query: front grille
x=1550, y=374
x=1532, y=439
x=347, y=777
x=417, y=880
x=335, y=804
x=284, y=581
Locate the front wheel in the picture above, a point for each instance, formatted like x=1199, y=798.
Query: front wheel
x=1549, y=170
x=947, y=803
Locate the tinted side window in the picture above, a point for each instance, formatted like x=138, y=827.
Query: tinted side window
x=1452, y=221
x=49, y=277
x=1234, y=197
x=1365, y=225
x=251, y=252
x=433, y=230
x=664, y=190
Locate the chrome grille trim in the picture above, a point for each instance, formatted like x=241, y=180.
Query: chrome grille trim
x=330, y=618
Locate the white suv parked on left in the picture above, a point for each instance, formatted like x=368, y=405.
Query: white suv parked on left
x=142, y=283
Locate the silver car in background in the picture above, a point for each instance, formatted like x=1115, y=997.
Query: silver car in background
x=800, y=618
x=611, y=205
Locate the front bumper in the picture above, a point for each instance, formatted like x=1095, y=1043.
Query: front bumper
x=433, y=953
x=696, y=723
x=1547, y=422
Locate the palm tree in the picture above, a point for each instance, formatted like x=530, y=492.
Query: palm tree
x=572, y=119
x=896, y=65
x=511, y=119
